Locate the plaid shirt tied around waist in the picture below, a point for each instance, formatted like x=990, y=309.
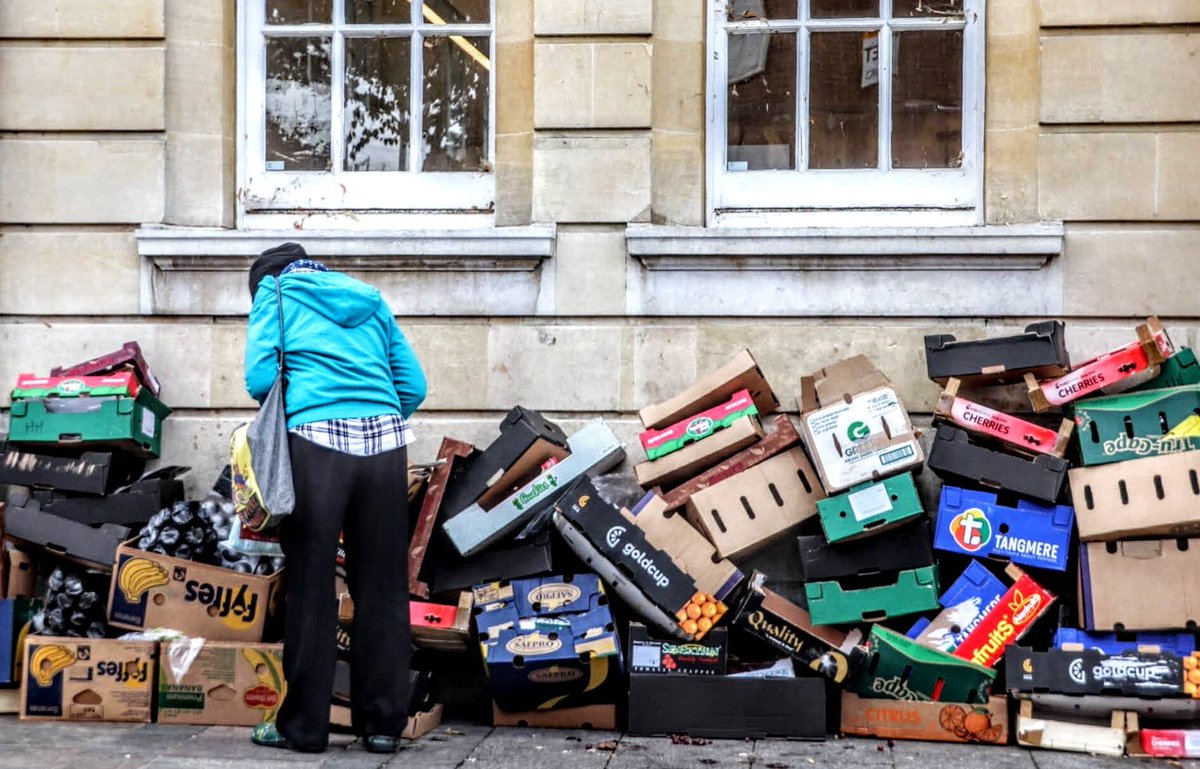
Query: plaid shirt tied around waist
x=361, y=437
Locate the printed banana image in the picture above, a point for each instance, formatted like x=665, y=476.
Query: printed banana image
x=48, y=660
x=138, y=576
x=266, y=666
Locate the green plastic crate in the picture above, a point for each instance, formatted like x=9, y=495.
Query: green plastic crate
x=869, y=508
x=1180, y=369
x=899, y=668
x=133, y=424
x=1117, y=428
x=915, y=591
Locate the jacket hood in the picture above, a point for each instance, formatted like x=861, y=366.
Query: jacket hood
x=339, y=297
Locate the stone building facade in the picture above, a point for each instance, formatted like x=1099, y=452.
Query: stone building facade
x=651, y=186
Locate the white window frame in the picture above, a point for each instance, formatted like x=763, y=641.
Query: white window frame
x=346, y=192
x=846, y=196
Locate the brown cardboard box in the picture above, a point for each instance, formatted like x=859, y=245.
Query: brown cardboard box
x=527, y=467
x=740, y=373
x=986, y=723
x=22, y=575
x=600, y=717
x=1053, y=731
x=88, y=679
x=199, y=600
x=227, y=684
x=419, y=724
x=758, y=505
x=1139, y=585
x=694, y=458
x=1154, y=496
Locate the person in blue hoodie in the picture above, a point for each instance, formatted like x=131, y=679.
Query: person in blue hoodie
x=352, y=383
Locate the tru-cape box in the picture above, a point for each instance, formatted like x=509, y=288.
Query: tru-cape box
x=870, y=508
x=956, y=458
x=1155, y=496
x=1041, y=350
x=1140, y=585
x=855, y=425
x=899, y=668
x=1012, y=432
x=1180, y=369
x=1135, y=425
x=1094, y=672
x=974, y=523
x=965, y=604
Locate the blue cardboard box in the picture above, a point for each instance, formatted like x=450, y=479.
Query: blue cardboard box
x=1182, y=644
x=968, y=601
x=1030, y=534
x=16, y=614
x=543, y=596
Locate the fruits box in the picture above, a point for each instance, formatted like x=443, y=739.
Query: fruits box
x=87, y=472
x=654, y=560
x=834, y=653
x=650, y=654
x=724, y=707
x=33, y=386
x=1013, y=433
x=1103, y=372
x=226, y=684
x=757, y=506
x=741, y=372
x=1180, y=369
x=855, y=425
x=149, y=590
x=1090, y=671
x=899, y=668
x=593, y=450
x=974, y=523
x=1007, y=622
x=909, y=592
x=965, y=604
x=1116, y=428
x=659, y=443
x=1155, y=496
x=984, y=723
x=1040, y=350
x=590, y=717
x=449, y=466
x=1139, y=585
x=93, y=546
x=88, y=679
x=870, y=508
x=1070, y=639
x=1055, y=731
x=957, y=459
x=132, y=424
x=904, y=548
x=16, y=619
x=694, y=458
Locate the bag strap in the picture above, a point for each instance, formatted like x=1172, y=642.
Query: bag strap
x=279, y=303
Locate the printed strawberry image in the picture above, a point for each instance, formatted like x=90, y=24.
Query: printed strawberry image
x=669, y=662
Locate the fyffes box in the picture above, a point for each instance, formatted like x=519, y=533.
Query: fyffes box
x=226, y=684
x=86, y=679
x=974, y=523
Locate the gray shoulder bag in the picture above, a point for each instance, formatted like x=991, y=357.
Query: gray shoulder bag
x=268, y=439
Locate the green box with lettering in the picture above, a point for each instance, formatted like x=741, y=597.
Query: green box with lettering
x=1180, y=369
x=1117, y=428
x=899, y=668
x=914, y=591
x=133, y=424
x=870, y=508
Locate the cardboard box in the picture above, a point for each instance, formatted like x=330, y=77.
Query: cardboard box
x=1007, y=622
x=88, y=679
x=1152, y=348
x=1180, y=369
x=956, y=459
x=855, y=425
x=150, y=590
x=659, y=443
x=1171, y=743
x=33, y=386
x=421, y=541
x=974, y=523
x=131, y=424
x=1041, y=350
x=88, y=472
x=1102, y=706
x=757, y=506
x=899, y=668
x=1070, y=639
x=128, y=357
x=93, y=546
x=740, y=373
x=22, y=575
x=698, y=457
x=227, y=684
x=540, y=596
x=132, y=506
x=904, y=548
x=1012, y=432
x=1139, y=585
x=590, y=717
x=910, y=592
x=1117, y=428
x=722, y=707
x=1155, y=496
x=441, y=627
x=1037, y=730
x=16, y=618
x=870, y=508
x=834, y=653
x=594, y=449
x=648, y=654
x=985, y=723
x=655, y=561
x=419, y=724
x=966, y=603
x=452, y=573
x=1131, y=674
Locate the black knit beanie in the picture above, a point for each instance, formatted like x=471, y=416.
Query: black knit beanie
x=273, y=261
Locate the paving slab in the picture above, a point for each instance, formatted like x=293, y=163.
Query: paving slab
x=509, y=748
x=662, y=753
x=794, y=754
x=448, y=746
x=907, y=754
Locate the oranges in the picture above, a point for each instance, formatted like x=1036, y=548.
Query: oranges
x=700, y=614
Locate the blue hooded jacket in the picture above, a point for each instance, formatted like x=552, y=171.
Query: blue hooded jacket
x=346, y=357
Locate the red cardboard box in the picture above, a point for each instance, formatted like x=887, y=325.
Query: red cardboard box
x=1004, y=625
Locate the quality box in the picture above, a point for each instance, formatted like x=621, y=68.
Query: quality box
x=133, y=424
x=741, y=372
x=870, y=508
x=985, y=723
x=1040, y=350
x=226, y=684
x=88, y=679
x=1135, y=425
x=150, y=591
x=974, y=523
x=1155, y=496
x=1140, y=585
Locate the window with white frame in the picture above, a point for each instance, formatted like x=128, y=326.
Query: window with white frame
x=366, y=105
x=845, y=105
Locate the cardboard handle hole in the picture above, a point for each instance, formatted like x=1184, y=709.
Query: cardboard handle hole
x=1004, y=528
x=1158, y=487
x=1087, y=497
x=1111, y=547
x=1124, y=491
x=775, y=494
x=1128, y=426
x=717, y=519
x=1162, y=423
x=1195, y=482
x=1095, y=431
x=808, y=486
x=749, y=510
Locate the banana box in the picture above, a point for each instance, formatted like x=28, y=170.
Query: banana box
x=1180, y=369
x=150, y=590
x=225, y=684
x=1135, y=425
x=870, y=508
x=974, y=523
x=1040, y=350
x=88, y=679
x=899, y=668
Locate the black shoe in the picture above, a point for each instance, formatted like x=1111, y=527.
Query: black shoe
x=378, y=743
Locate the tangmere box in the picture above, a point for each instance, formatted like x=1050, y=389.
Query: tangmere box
x=974, y=523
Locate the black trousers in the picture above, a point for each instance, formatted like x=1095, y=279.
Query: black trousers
x=367, y=499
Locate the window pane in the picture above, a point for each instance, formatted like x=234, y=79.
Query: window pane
x=927, y=100
x=456, y=11
x=378, y=12
x=938, y=8
x=298, y=104
x=299, y=11
x=844, y=101
x=377, y=106
x=454, y=119
x=762, y=102
x=740, y=10
x=844, y=9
